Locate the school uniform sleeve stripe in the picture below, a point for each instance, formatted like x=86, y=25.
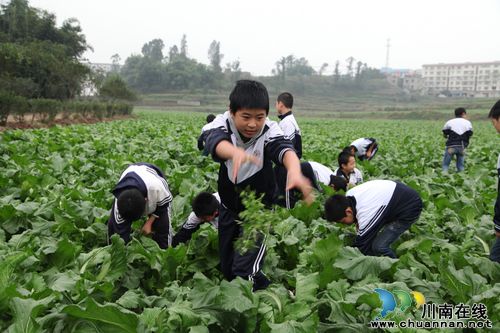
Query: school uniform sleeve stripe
x=373, y=221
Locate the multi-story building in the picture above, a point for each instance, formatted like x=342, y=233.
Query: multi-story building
x=481, y=79
x=405, y=79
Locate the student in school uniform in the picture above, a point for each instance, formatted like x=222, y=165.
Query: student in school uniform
x=288, y=124
x=457, y=132
x=204, y=133
x=205, y=209
x=247, y=143
x=382, y=211
x=347, y=169
x=363, y=148
x=142, y=190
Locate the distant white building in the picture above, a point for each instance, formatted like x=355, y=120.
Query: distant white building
x=480, y=79
x=407, y=79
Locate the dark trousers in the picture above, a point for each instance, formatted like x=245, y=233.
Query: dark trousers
x=161, y=229
x=247, y=265
x=495, y=251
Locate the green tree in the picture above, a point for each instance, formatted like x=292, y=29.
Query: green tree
x=115, y=88
x=215, y=56
x=154, y=50
x=184, y=47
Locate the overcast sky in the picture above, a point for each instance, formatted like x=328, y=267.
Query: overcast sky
x=259, y=32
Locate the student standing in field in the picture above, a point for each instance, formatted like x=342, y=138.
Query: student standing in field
x=288, y=124
x=381, y=209
x=347, y=169
x=457, y=131
x=246, y=144
x=494, y=115
x=142, y=190
x=205, y=209
x=363, y=148
x=204, y=133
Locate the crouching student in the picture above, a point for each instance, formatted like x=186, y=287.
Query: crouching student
x=317, y=174
x=142, y=190
x=205, y=209
x=246, y=144
x=363, y=148
x=347, y=169
x=381, y=209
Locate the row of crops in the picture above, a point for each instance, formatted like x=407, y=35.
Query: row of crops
x=58, y=274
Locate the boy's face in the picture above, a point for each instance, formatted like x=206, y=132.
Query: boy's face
x=249, y=122
x=349, y=218
x=210, y=218
x=279, y=107
x=496, y=124
x=349, y=167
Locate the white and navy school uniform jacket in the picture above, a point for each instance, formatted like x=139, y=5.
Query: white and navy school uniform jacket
x=203, y=136
x=150, y=181
x=496, y=219
x=378, y=202
x=458, y=132
x=291, y=129
x=270, y=145
x=362, y=145
x=322, y=173
x=191, y=225
x=354, y=178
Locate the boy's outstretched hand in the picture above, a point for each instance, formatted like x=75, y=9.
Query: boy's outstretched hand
x=228, y=151
x=297, y=180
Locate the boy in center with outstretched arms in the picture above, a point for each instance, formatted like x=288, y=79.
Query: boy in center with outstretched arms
x=246, y=144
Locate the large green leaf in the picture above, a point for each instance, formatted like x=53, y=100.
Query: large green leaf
x=109, y=317
x=357, y=266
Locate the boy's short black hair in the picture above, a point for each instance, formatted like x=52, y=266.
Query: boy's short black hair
x=338, y=183
x=131, y=204
x=344, y=157
x=495, y=111
x=459, y=112
x=335, y=207
x=210, y=118
x=205, y=204
x=350, y=149
x=287, y=99
x=249, y=94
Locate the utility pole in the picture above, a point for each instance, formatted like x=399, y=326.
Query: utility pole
x=387, y=53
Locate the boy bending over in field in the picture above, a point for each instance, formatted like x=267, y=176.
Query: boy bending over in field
x=142, y=190
x=381, y=209
x=363, y=148
x=246, y=143
x=494, y=115
x=205, y=209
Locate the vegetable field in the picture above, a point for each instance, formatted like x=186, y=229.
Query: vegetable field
x=57, y=273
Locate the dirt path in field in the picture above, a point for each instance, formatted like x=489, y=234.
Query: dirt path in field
x=61, y=119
